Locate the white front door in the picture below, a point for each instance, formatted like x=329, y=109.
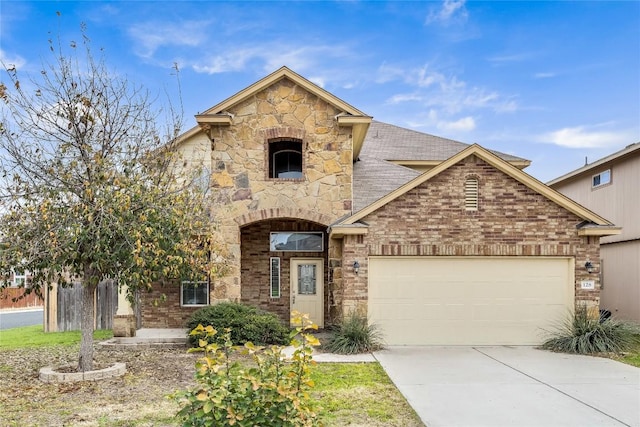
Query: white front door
x=307, y=288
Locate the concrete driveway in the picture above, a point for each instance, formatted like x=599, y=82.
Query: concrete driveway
x=513, y=386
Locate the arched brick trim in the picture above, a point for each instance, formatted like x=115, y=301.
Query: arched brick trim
x=283, y=132
x=272, y=213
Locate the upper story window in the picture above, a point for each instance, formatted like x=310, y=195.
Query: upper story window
x=285, y=159
x=603, y=178
x=19, y=279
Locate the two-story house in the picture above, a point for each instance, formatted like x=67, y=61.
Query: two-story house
x=611, y=187
x=323, y=210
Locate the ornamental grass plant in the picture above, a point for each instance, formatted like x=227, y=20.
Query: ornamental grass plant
x=582, y=333
x=355, y=334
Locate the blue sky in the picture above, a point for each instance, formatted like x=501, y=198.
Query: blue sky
x=552, y=82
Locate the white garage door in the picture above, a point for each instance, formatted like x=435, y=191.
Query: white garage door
x=469, y=301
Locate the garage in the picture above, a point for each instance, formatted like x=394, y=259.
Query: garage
x=469, y=300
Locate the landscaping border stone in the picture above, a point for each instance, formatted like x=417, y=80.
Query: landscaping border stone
x=50, y=375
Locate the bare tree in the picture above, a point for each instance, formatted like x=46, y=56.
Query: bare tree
x=93, y=186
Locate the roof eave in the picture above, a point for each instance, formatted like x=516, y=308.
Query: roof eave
x=599, y=231
x=359, y=127
x=338, y=232
x=619, y=155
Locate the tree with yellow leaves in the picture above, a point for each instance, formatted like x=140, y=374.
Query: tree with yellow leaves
x=92, y=185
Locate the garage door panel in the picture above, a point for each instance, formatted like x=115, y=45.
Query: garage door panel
x=468, y=300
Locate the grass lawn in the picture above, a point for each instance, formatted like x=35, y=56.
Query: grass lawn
x=350, y=394
x=360, y=394
x=631, y=358
x=34, y=336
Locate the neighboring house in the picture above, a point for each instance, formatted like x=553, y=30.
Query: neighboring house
x=611, y=187
x=323, y=210
x=13, y=297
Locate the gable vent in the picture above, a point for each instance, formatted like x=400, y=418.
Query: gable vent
x=471, y=194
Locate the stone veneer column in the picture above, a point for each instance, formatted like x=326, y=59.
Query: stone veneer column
x=124, y=322
x=335, y=285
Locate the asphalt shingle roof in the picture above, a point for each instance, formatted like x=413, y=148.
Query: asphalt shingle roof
x=374, y=176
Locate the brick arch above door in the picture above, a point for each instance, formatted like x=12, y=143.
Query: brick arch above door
x=282, y=212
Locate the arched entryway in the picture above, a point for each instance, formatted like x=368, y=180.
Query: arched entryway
x=277, y=252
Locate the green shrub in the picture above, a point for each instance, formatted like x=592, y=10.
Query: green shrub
x=355, y=335
x=247, y=324
x=271, y=392
x=585, y=334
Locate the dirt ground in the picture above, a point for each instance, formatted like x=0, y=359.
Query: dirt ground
x=138, y=398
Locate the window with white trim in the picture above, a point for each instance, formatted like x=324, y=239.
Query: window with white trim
x=194, y=293
x=19, y=279
x=471, y=194
x=603, y=178
x=274, y=282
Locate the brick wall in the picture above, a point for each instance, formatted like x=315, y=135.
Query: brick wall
x=431, y=220
x=255, y=267
x=160, y=308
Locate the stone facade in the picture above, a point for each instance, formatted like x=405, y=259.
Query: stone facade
x=240, y=174
x=431, y=220
x=244, y=194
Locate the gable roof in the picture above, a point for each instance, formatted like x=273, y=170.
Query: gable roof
x=276, y=76
x=390, y=151
x=390, y=142
x=348, y=116
x=628, y=151
x=502, y=165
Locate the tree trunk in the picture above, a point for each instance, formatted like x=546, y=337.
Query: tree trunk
x=85, y=358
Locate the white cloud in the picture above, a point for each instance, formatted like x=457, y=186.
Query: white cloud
x=451, y=10
x=234, y=60
x=587, y=137
x=150, y=36
x=515, y=57
x=452, y=103
x=435, y=119
x=544, y=75
x=272, y=56
x=405, y=97
x=451, y=94
x=10, y=61
x=320, y=81
x=464, y=124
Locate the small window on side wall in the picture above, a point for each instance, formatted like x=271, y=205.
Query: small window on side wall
x=603, y=178
x=471, y=194
x=194, y=293
x=274, y=283
x=285, y=159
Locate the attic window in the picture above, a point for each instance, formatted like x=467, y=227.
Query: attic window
x=471, y=194
x=603, y=178
x=285, y=159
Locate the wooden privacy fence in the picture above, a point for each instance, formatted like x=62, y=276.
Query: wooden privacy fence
x=62, y=307
x=29, y=301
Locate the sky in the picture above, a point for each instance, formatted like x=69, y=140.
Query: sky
x=553, y=82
